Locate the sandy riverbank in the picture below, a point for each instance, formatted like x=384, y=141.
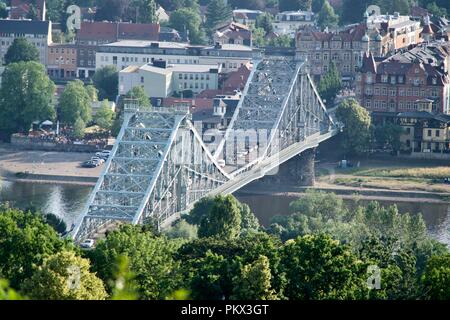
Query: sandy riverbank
x=42, y=166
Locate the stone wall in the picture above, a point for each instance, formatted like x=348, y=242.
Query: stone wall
x=27, y=143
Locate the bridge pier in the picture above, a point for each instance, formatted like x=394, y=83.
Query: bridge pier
x=298, y=171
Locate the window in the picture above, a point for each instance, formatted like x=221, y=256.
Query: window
x=384, y=78
x=437, y=133
x=429, y=133
x=408, y=130
x=142, y=79
x=180, y=76
x=400, y=79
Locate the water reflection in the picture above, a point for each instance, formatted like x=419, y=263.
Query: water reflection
x=67, y=201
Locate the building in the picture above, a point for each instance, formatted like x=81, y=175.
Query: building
x=345, y=48
x=126, y=53
x=289, y=22
x=62, y=61
x=161, y=79
x=38, y=33
x=416, y=80
x=233, y=33
x=167, y=34
x=400, y=31
x=20, y=9
x=424, y=133
x=94, y=34
x=161, y=15
x=246, y=16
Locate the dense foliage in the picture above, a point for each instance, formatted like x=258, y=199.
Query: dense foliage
x=323, y=250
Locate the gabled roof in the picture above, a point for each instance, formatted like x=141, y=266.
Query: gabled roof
x=91, y=30
x=138, y=31
x=24, y=26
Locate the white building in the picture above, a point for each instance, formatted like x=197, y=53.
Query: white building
x=289, y=22
x=161, y=79
x=161, y=15
x=38, y=33
x=126, y=53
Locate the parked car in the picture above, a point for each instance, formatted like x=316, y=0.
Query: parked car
x=104, y=153
x=87, y=244
x=98, y=159
x=89, y=164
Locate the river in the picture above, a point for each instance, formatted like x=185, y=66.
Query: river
x=67, y=201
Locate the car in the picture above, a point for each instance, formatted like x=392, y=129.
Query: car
x=104, y=153
x=89, y=164
x=97, y=159
x=87, y=244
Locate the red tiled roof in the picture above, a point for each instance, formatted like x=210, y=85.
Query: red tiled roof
x=236, y=80
x=139, y=31
x=196, y=104
x=97, y=31
x=21, y=8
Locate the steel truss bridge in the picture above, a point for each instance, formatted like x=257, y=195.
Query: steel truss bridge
x=160, y=166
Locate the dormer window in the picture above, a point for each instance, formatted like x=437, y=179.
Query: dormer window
x=434, y=80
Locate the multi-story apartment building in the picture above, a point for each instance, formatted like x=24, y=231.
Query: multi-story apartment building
x=424, y=132
x=416, y=80
x=38, y=33
x=94, y=34
x=233, y=33
x=62, y=61
x=289, y=22
x=344, y=48
x=126, y=53
x=381, y=35
x=160, y=79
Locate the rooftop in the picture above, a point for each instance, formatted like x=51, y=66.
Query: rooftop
x=24, y=26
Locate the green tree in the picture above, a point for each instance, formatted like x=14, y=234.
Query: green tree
x=6, y=293
x=182, y=229
x=3, y=11
x=65, y=276
x=317, y=5
x=104, y=117
x=21, y=50
x=25, y=241
x=139, y=94
x=92, y=92
x=388, y=135
x=258, y=35
x=435, y=10
x=188, y=19
x=330, y=84
x=26, y=95
x=253, y=283
x=75, y=103
x=264, y=21
x=150, y=259
x=78, y=129
x=217, y=13
x=224, y=219
x=106, y=80
x=318, y=267
x=327, y=17
x=57, y=223
x=294, y=5
x=283, y=41
x=436, y=277
x=356, y=120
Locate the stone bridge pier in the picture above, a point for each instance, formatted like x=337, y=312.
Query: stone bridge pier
x=298, y=171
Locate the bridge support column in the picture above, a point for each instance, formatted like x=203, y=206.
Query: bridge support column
x=305, y=174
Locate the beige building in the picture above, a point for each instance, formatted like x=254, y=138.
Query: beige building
x=161, y=79
x=38, y=33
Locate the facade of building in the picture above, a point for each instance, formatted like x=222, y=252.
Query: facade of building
x=289, y=22
x=94, y=34
x=424, y=132
x=345, y=49
x=246, y=16
x=38, y=33
x=137, y=53
x=21, y=9
x=416, y=80
x=62, y=61
x=161, y=79
x=233, y=33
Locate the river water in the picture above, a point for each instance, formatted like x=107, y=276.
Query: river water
x=67, y=201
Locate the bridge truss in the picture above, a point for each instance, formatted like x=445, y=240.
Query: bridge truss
x=159, y=166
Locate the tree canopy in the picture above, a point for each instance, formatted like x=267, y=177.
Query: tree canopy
x=356, y=120
x=75, y=103
x=21, y=50
x=106, y=80
x=26, y=95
